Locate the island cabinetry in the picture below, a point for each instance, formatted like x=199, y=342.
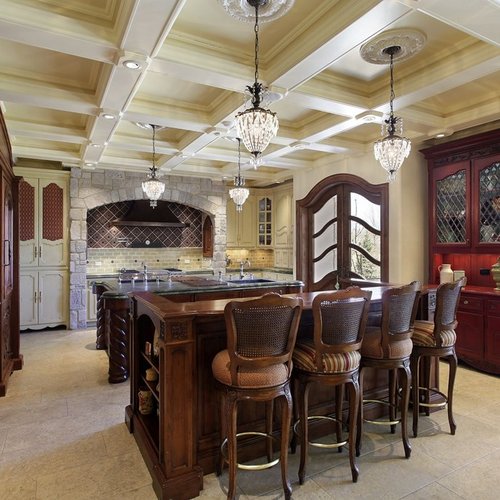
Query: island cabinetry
x=478, y=330
x=43, y=247
x=241, y=225
x=166, y=435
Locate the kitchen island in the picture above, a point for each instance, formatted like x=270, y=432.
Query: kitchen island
x=113, y=305
x=179, y=439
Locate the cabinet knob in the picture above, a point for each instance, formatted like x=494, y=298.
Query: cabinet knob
x=466, y=302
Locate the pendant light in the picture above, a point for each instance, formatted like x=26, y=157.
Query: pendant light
x=392, y=150
x=256, y=126
x=239, y=194
x=153, y=188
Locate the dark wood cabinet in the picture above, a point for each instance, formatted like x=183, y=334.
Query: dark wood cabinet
x=464, y=206
x=478, y=330
x=464, y=231
x=10, y=358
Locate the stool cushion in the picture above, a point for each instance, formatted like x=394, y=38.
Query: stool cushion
x=248, y=378
x=423, y=335
x=371, y=346
x=304, y=358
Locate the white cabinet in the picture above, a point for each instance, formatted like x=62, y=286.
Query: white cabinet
x=265, y=221
x=241, y=225
x=91, y=303
x=43, y=298
x=283, y=226
x=43, y=247
x=43, y=227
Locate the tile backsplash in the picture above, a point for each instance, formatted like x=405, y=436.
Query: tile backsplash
x=109, y=260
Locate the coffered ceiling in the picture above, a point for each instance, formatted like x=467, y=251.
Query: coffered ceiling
x=62, y=73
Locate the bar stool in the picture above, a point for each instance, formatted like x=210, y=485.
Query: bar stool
x=330, y=358
x=436, y=339
x=389, y=347
x=256, y=365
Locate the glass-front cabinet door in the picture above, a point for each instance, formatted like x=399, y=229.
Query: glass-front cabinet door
x=265, y=215
x=450, y=203
x=487, y=204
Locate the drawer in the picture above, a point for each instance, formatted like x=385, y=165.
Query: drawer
x=493, y=307
x=468, y=303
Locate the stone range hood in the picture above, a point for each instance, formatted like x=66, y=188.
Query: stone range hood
x=142, y=214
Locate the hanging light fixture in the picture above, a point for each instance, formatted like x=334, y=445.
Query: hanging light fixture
x=256, y=126
x=392, y=150
x=239, y=194
x=153, y=188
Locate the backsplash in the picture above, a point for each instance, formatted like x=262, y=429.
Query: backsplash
x=258, y=258
x=101, y=233
x=110, y=260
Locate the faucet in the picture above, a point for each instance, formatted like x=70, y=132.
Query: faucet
x=145, y=270
x=242, y=265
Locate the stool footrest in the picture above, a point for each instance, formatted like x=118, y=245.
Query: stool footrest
x=380, y=422
x=267, y=465
x=316, y=443
x=442, y=404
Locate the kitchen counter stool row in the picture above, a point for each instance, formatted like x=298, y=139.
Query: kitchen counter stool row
x=261, y=348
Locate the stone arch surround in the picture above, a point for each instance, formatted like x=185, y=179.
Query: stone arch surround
x=89, y=189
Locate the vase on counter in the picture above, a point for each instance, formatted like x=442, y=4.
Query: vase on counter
x=495, y=273
x=445, y=273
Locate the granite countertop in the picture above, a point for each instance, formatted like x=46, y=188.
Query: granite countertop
x=187, y=284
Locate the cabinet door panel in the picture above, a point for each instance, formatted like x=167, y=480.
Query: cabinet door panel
x=470, y=336
x=52, y=297
x=52, y=248
x=492, y=340
x=28, y=226
x=28, y=286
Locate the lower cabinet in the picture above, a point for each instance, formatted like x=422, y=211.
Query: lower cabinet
x=478, y=331
x=91, y=302
x=43, y=298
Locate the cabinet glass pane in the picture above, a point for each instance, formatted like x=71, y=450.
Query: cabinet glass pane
x=450, y=208
x=489, y=204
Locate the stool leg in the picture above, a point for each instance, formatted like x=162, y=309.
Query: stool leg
x=286, y=415
x=339, y=400
x=415, y=376
x=427, y=383
x=304, y=431
x=232, y=417
x=392, y=397
x=359, y=431
x=452, y=361
x=296, y=396
x=222, y=409
x=269, y=429
x=354, y=396
x=405, y=400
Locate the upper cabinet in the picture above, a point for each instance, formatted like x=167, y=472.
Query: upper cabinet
x=464, y=205
x=283, y=221
x=43, y=231
x=265, y=221
x=241, y=225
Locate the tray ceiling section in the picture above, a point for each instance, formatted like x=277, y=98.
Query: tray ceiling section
x=68, y=96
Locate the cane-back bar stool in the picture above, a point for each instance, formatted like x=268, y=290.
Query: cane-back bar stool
x=256, y=365
x=436, y=339
x=331, y=358
x=389, y=347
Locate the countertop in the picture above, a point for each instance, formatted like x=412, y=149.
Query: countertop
x=186, y=284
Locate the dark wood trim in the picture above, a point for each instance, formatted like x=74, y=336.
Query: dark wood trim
x=315, y=199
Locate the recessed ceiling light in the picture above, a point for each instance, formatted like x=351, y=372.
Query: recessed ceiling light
x=130, y=64
x=299, y=145
x=441, y=134
x=94, y=145
x=108, y=116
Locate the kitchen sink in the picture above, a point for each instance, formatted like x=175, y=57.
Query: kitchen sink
x=149, y=280
x=251, y=280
